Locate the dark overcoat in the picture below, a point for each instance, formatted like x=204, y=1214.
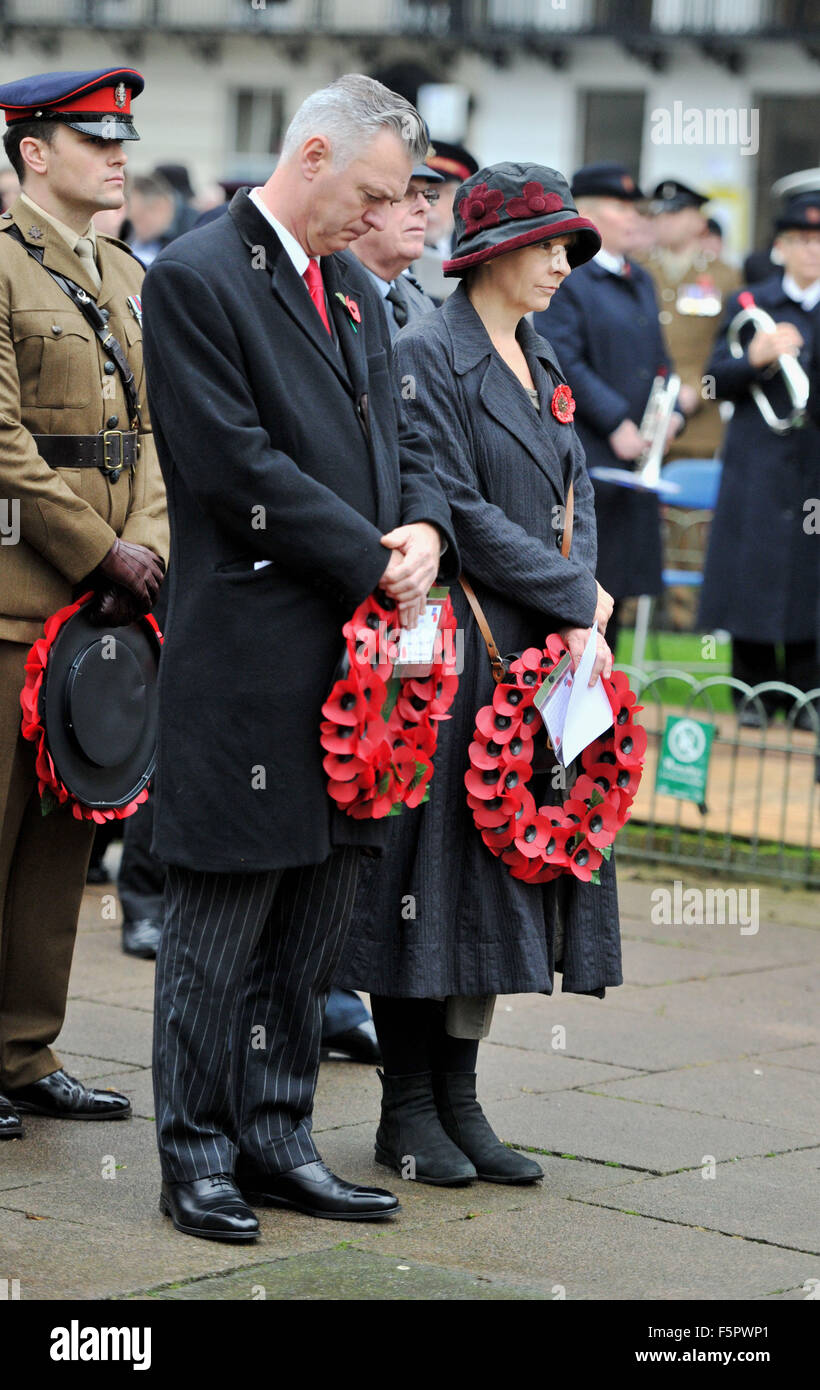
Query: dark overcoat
x=761, y=575
x=438, y=914
x=606, y=333
x=274, y=445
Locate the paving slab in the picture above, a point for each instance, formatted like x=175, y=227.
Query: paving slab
x=805, y=1058
x=90, y=1068
x=793, y=908
x=60, y=1259
x=659, y=963
x=593, y=1253
x=602, y=1031
x=764, y=1199
x=350, y=1274
x=109, y=1031
x=786, y=1000
x=751, y=1090
x=649, y=1137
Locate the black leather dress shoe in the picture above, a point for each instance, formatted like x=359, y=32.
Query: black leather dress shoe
x=141, y=938
x=360, y=1044
x=211, y=1207
x=64, y=1098
x=11, y=1126
x=313, y=1189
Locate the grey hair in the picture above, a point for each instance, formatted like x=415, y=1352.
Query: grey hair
x=351, y=112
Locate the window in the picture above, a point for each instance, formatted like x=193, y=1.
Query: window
x=258, y=115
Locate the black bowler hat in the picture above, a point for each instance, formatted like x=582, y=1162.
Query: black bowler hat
x=507, y=206
x=672, y=196
x=90, y=704
x=95, y=103
x=605, y=180
x=801, y=213
x=453, y=162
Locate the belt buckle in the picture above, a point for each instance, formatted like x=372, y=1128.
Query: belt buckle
x=112, y=470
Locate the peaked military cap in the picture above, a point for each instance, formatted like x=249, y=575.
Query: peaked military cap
x=605, y=180
x=672, y=196
x=452, y=162
x=507, y=206
x=801, y=213
x=95, y=103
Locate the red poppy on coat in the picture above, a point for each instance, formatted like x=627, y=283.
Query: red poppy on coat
x=563, y=404
x=534, y=200
x=479, y=208
x=353, y=309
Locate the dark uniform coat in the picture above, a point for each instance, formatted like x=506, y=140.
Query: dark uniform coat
x=275, y=445
x=504, y=468
x=605, y=330
x=761, y=575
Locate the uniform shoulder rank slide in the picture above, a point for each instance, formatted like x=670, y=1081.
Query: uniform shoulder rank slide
x=134, y=303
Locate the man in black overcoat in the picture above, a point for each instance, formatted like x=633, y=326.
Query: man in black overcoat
x=603, y=324
x=295, y=488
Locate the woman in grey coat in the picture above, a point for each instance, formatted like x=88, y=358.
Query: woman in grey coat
x=440, y=926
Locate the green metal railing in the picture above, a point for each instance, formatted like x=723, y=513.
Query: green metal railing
x=767, y=823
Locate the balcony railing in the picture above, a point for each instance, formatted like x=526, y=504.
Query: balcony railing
x=468, y=20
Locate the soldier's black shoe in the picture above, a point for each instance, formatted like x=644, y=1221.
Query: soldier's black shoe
x=62, y=1097
x=360, y=1044
x=141, y=938
x=11, y=1126
x=211, y=1207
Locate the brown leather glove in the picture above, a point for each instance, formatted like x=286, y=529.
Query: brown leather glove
x=135, y=568
x=114, y=606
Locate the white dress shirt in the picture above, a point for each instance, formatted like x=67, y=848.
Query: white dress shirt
x=808, y=298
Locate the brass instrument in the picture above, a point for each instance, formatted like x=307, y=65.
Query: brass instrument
x=794, y=378
x=646, y=474
x=654, y=427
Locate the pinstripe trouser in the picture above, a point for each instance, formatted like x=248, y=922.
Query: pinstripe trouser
x=243, y=972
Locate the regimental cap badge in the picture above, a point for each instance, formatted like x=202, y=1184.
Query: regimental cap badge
x=120, y=94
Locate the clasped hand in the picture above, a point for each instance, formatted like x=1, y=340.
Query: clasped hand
x=575, y=640
x=412, y=568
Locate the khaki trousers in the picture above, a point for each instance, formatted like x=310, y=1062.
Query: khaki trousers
x=43, y=862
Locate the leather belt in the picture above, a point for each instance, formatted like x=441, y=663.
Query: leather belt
x=111, y=451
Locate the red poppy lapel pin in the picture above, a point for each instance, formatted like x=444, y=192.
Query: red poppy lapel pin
x=352, y=308
x=563, y=404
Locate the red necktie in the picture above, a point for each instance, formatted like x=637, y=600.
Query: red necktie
x=313, y=279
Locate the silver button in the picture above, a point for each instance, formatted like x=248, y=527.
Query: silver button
x=56, y=329
x=109, y=368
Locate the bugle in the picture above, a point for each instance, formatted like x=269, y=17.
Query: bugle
x=795, y=379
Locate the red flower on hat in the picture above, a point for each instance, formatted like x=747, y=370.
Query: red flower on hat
x=478, y=209
x=534, y=201
x=563, y=404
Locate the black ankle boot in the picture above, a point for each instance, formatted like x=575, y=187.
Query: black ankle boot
x=465, y=1122
x=410, y=1138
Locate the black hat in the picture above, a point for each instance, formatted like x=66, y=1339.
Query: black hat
x=178, y=177
x=95, y=103
x=605, y=180
x=672, y=196
x=801, y=212
x=453, y=162
x=90, y=701
x=510, y=205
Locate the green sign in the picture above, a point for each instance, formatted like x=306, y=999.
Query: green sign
x=683, y=764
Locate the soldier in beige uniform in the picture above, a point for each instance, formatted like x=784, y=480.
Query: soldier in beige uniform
x=82, y=505
x=692, y=286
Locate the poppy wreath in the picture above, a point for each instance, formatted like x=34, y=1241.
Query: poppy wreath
x=380, y=731
x=51, y=789
x=537, y=843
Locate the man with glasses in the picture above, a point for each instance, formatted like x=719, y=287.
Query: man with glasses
x=387, y=253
